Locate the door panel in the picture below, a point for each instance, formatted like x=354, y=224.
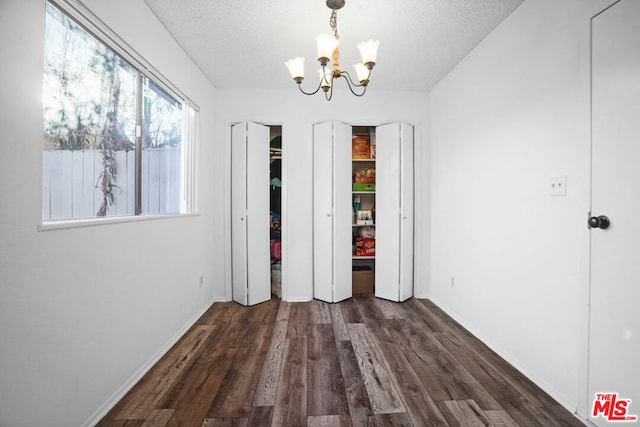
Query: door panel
x=406, y=211
x=258, y=208
x=250, y=240
x=614, y=329
x=332, y=211
x=322, y=212
x=387, y=277
x=239, y=212
x=343, y=212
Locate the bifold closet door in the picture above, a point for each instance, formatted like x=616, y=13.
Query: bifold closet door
x=394, y=212
x=250, y=244
x=332, y=211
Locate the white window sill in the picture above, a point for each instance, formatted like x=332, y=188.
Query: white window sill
x=89, y=222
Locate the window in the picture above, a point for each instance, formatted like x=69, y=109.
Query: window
x=117, y=141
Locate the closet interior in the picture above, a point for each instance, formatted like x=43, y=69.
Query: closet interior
x=275, y=203
x=363, y=193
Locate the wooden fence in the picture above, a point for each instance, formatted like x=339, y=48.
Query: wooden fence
x=72, y=183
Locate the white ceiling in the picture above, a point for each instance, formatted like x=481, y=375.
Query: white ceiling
x=244, y=43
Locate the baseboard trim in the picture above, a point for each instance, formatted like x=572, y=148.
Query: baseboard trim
x=137, y=376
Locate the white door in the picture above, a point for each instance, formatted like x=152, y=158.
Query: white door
x=332, y=211
x=614, y=327
x=394, y=212
x=250, y=244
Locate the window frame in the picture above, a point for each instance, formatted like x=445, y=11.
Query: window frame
x=88, y=21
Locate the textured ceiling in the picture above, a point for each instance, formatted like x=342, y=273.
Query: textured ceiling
x=244, y=43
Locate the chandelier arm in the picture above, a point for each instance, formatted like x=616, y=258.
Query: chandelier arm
x=330, y=93
x=364, y=90
x=351, y=82
x=310, y=93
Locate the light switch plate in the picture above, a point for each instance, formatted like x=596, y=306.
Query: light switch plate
x=558, y=185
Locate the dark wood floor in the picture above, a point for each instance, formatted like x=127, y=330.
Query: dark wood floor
x=362, y=362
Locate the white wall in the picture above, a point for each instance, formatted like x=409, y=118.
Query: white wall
x=297, y=113
x=83, y=309
x=508, y=260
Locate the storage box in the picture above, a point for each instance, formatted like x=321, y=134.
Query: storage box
x=276, y=280
x=362, y=281
x=360, y=147
x=363, y=187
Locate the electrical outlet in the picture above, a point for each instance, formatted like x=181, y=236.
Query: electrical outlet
x=452, y=282
x=558, y=185
x=201, y=281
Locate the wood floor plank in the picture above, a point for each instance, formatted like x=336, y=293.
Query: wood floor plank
x=120, y=423
x=291, y=402
x=260, y=416
x=389, y=309
x=464, y=413
x=225, y=422
x=357, y=397
x=438, y=370
x=382, y=392
x=235, y=312
x=270, y=374
x=265, y=312
x=422, y=313
x=422, y=409
x=319, y=312
x=328, y=421
x=158, y=418
x=199, y=388
x=325, y=383
x=298, y=320
x=500, y=418
x=224, y=337
x=394, y=420
x=237, y=391
x=350, y=311
x=284, y=311
x=339, y=326
x=369, y=311
x=217, y=313
x=161, y=377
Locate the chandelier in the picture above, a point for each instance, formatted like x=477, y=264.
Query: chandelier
x=328, y=50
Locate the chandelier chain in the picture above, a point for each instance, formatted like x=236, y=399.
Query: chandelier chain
x=333, y=22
